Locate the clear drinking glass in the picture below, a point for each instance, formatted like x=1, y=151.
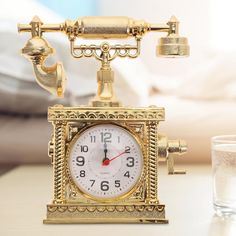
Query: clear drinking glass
x=224, y=174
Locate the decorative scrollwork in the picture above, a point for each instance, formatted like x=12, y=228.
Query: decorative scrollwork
x=126, y=50
x=152, y=164
x=105, y=208
x=86, y=113
x=59, y=165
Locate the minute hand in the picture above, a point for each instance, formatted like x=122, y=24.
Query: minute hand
x=107, y=161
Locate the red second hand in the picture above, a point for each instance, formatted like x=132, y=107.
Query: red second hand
x=106, y=162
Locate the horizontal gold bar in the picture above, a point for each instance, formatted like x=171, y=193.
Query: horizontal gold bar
x=24, y=28
x=159, y=27
x=52, y=27
x=93, y=27
x=44, y=28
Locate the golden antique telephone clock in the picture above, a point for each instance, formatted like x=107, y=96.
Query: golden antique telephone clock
x=105, y=156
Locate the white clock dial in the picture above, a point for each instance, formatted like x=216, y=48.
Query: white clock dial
x=105, y=161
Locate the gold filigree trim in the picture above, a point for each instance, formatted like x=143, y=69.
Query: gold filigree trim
x=105, y=208
x=88, y=113
x=59, y=163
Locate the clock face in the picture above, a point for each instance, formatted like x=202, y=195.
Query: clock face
x=105, y=161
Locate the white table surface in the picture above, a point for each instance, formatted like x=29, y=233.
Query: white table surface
x=25, y=191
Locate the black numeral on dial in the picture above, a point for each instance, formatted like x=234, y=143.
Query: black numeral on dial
x=106, y=137
x=127, y=149
x=84, y=148
x=92, y=182
x=105, y=185
x=80, y=161
x=117, y=183
x=93, y=139
x=127, y=174
x=82, y=173
x=130, y=162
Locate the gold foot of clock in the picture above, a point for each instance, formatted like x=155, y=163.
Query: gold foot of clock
x=105, y=156
x=106, y=213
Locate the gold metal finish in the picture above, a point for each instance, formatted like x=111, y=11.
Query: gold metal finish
x=37, y=50
x=59, y=162
x=53, y=79
x=173, y=45
x=105, y=213
x=166, y=149
x=141, y=204
x=70, y=205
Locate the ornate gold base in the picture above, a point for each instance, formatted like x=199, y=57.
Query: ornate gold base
x=74, y=213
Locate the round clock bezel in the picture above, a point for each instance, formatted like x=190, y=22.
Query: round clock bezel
x=100, y=199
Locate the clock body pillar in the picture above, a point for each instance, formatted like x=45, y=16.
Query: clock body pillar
x=152, y=163
x=59, y=161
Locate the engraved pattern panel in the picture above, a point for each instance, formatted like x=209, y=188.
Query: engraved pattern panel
x=59, y=163
x=86, y=113
x=125, y=213
x=152, y=163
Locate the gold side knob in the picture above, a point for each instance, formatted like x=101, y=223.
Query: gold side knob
x=173, y=46
x=168, y=147
x=177, y=146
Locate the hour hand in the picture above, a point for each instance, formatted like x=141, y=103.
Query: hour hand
x=105, y=152
x=105, y=149
x=105, y=146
